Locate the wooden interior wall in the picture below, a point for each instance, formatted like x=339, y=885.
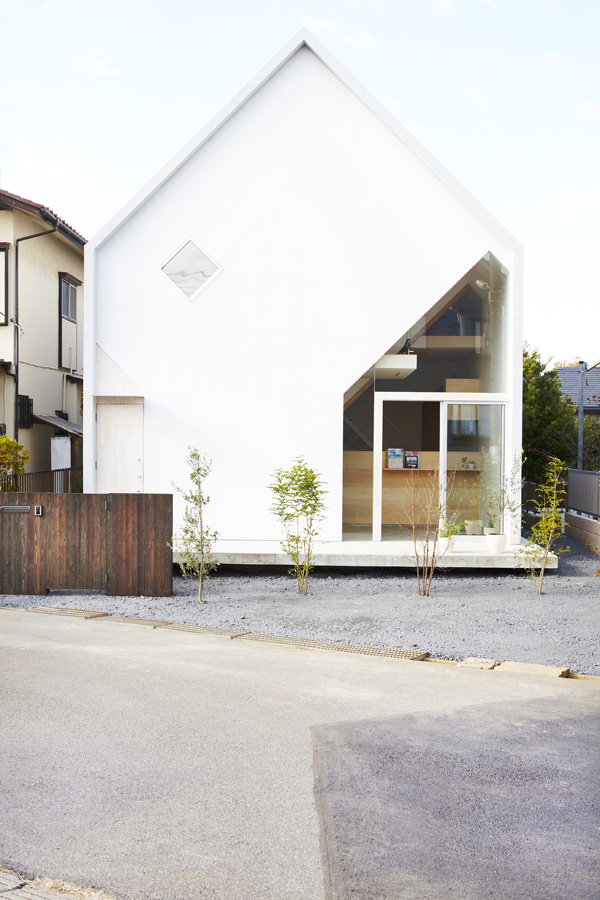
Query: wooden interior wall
x=399, y=485
x=116, y=543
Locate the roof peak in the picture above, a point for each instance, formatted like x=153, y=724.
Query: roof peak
x=303, y=38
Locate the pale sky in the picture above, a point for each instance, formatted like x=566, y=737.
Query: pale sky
x=97, y=96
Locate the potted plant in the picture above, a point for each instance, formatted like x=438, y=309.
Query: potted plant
x=473, y=526
x=500, y=503
x=470, y=501
x=449, y=528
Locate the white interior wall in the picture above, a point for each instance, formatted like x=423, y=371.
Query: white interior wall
x=331, y=234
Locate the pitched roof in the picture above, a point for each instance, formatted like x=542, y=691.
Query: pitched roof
x=13, y=201
x=303, y=39
x=62, y=425
x=569, y=385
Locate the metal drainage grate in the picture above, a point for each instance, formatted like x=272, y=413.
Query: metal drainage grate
x=306, y=643
x=204, y=629
x=301, y=643
x=64, y=611
x=131, y=620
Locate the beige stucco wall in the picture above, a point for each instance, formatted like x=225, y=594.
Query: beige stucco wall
x=40, y=261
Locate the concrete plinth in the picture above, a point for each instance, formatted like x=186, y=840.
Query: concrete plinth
x=469, y=553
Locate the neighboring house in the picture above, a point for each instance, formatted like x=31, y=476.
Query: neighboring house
x=569, y=385
x=304, y=278
x=41, y=332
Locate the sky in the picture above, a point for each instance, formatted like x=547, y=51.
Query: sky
x=98, y=96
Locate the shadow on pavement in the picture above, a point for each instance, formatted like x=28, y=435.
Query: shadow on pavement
x=494, y=802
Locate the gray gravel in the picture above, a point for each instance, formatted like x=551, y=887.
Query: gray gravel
x=490, y=615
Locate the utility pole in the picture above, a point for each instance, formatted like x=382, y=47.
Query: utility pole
x=582, y=371
x=583, y=368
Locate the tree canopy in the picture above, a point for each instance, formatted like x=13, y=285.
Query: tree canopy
x=591, y=443
x=12, y=457
x=549, y=419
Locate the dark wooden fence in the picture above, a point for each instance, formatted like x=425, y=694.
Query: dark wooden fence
x=105, y=542
x=528, y=491
x=57, y=481
x=530, y=497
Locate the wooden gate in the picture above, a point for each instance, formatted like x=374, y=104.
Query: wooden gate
x=116, y=543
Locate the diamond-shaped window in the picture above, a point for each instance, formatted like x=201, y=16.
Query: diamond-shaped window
x=190, y=269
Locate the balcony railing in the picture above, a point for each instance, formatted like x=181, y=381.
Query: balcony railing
x=56, y=481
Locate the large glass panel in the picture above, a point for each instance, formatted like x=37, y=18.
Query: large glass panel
x=410, y=467
x=357, y=512
x=458, y=344
x=475, y=462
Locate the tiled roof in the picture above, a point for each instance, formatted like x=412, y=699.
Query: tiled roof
x=569, y=384
x=13, y=201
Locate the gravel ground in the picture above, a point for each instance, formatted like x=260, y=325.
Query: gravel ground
x=490, y=615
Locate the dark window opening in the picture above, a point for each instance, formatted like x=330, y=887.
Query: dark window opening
x=25, y=411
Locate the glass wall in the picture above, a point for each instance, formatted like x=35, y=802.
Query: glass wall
x=458, y=346
x=475, y=463
x=357, y=507
x=410, y=466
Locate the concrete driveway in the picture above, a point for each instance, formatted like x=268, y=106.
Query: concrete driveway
x=160, y=765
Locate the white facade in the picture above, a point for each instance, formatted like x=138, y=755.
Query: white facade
x=41, y=350
x=329, y=231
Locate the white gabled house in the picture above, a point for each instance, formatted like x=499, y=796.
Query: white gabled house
x=304, y=278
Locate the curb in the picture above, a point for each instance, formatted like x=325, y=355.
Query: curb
x=470, y=662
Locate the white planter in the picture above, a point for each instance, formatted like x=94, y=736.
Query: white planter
x=496, y=543
x=446, y=545
x=473, y=526
x=489, y=531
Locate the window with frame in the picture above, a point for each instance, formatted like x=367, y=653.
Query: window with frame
x=190, y=268
x=68, y=297
x=25, y=411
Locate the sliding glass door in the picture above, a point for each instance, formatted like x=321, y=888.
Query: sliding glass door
x=475, y=463
x=434, y=457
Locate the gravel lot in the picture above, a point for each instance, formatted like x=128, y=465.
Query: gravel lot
x=490, y=615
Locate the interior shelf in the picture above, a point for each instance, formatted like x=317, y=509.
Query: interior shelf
x=392, y=469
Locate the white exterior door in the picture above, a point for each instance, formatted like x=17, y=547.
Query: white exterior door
x=120, y=448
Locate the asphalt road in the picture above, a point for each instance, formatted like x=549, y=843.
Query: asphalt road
x=160, y=765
